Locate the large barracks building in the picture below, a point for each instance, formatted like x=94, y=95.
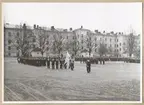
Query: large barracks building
x=44, y=37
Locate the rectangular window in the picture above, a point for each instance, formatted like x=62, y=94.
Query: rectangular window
x=17, y=42
x=9, y=48
x=120, y=44
x=95, y=45
x=9, y=54
x=17, y=34
x=95, y=39
x=110, y=40
x=105, y=39
x=120, y=49
x=9, y=41
x=9, y=34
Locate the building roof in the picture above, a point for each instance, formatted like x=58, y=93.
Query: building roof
x=82, y=29
x=36, y=49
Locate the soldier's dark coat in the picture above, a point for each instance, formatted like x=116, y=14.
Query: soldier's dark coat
x=88, y=66
x=53, y=64
x=57, y=64
x=48, y=63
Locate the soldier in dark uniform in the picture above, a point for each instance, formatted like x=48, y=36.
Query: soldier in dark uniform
x=103, y=60
x=57, y=63
x=48, y=63
x=61, y=63
x=53, y=64
x=18, y=59
x=72, y=63
x=96, y=60
x=69, y=63
x=65, y=64
x=100, y=59
x=88, y=66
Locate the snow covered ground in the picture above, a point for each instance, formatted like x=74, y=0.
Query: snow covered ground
x=114, y=81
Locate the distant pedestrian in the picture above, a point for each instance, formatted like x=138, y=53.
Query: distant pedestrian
x=88, y=66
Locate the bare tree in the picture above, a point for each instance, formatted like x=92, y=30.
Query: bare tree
x=90, y=42
x=75, y=46
x=102, y=49
x=110, y=51
x=58, y=43
x=43, y=40
x=22, y=40
x=130, y=44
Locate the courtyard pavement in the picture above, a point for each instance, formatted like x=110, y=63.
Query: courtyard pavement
x=114, y=81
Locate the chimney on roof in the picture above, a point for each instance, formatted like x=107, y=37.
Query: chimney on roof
x=70, y=29
x=96, y=31
x=24, y=26
x=112, y=32
x=65, y=30
x=34, y=26
x=38, y=26
x=52, y=27
x=81, y=27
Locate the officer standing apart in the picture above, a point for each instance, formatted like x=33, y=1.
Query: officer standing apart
x=88, y=66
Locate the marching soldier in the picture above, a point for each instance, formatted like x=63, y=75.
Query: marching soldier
x=103, y=60
x=48, y=63
x=18, y=59
x=61, y=63
x=69, y=63
x=57, y=63
x=88, y=66
x=65, y=64
x=53, y=64
x=72, y=63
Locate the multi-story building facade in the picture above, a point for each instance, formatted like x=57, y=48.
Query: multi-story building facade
x=44, y=38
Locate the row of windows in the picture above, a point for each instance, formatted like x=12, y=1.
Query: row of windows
x=9, y=34
x=9, y=48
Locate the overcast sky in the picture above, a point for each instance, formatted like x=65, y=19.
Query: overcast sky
x=117, y=17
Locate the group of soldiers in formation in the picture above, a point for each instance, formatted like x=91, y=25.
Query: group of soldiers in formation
x=58, y=63
x=51, y=63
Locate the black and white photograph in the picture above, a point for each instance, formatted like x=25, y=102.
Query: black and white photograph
x=72, y=52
